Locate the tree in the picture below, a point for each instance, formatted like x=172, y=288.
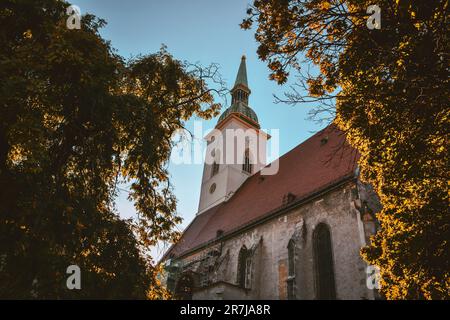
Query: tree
x=388, y=90
x=76, y=120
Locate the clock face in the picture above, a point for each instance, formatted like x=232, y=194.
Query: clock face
x=212, y=188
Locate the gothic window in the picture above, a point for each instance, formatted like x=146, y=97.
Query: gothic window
x=291, y=258
x=323, y=261
x=291, y=270
x=215, y=169
x=244, y=268
x=247, y=166
x=248, y=271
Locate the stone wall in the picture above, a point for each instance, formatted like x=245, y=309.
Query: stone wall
x=339, y=209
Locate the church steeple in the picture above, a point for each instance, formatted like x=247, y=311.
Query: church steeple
x=235, y=150
x=241, y=77
x=241, y=91
x=239, y=102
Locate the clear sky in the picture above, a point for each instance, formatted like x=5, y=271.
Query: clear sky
x=203, y=31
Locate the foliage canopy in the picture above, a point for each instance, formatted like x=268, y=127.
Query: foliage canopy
x=388, y=90
x=76, y=120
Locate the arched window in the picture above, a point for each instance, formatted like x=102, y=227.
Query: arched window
x=215, y=169
x=323, y=261
x=247, y=166
x=291, y=270
x=183, y=290
x=244, y=268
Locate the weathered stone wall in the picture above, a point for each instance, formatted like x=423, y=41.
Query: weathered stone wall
x=222, y=291
x=340, y=211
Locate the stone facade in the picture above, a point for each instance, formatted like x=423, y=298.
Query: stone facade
x=344, y=209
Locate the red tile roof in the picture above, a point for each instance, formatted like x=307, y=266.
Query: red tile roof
x=312, y=166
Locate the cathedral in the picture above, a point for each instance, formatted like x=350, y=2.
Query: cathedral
x=294, y=232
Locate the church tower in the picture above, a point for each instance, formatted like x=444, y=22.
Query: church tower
x=236, y=149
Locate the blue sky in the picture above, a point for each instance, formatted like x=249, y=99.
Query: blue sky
x=204, y=31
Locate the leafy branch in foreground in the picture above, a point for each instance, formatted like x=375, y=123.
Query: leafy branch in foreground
x=76, y=119
x=390, y=88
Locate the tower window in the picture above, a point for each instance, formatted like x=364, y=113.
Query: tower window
x=247, y=166
x=215, y=169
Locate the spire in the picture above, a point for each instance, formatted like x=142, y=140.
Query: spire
x=241, y=78
x=240, y=94
x=241, y=91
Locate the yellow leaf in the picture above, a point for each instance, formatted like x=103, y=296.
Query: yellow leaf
x=28, y=34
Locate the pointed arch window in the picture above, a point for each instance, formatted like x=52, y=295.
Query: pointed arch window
x=291, y=283
x=244, y=268
x=247, y=166
x=323, y=261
